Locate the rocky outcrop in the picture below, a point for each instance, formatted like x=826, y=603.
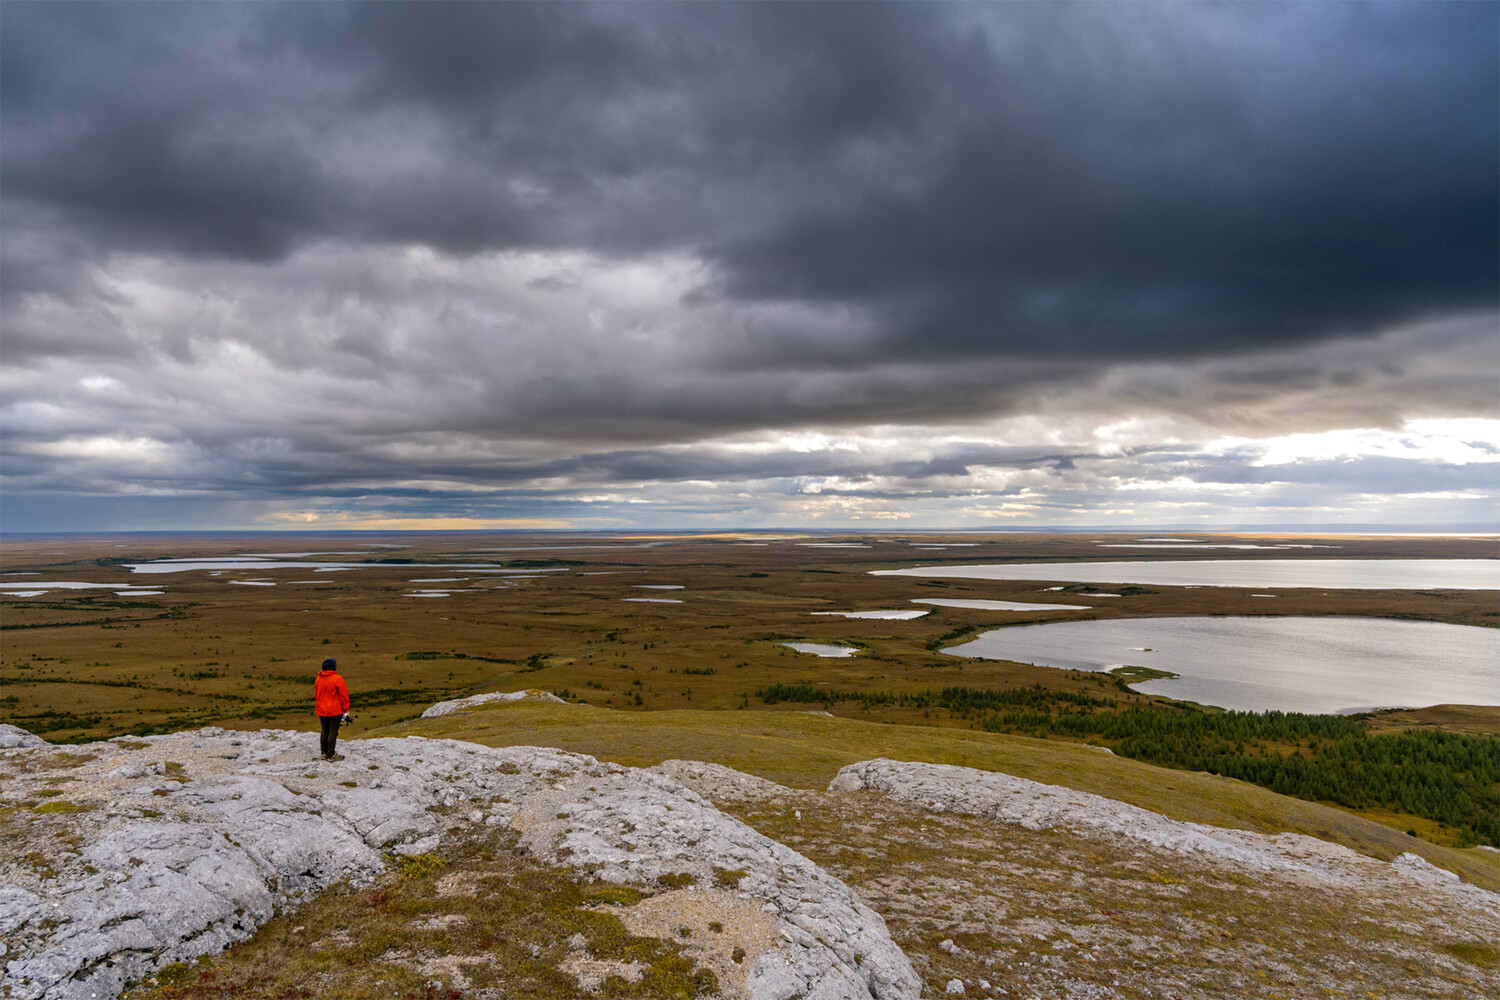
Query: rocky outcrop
x=530, y=694
x=130, y=854
x=943, y=788
x=126, y=855
x=14, y=736
x=639, y=825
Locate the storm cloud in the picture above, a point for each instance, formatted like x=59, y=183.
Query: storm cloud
x=766, y=262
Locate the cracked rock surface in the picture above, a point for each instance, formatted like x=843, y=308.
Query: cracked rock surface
x=999, y=887
x=129, y=854
x=996, y=886
x=943, y=788
x=923, y=880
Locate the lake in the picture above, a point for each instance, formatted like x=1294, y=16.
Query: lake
x=36, y=588
x=1292, y=664
x=1333, y=574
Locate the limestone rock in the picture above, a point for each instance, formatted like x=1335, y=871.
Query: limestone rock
x=15, y=736
x=1036, y=806
x=531, y=694
x=715, y=781
x=188, y=842
x=639, y=826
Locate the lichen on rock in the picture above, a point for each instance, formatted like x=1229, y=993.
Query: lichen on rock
x=173, y=847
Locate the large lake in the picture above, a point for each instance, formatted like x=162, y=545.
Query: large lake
x=1334, y=574
x=1292, y=664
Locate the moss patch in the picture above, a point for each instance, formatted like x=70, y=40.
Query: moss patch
x=493, y=919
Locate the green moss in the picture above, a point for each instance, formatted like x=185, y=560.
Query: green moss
x=484, y=898
x=616, y=895
x=729, y=879
x=1474, y=952
x=40, y=863
x=65, y=807
x=418, y=865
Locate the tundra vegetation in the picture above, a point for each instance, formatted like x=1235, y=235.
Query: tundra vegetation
x=551, y=612
x=708, y=679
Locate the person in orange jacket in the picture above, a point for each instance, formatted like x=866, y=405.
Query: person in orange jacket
x=331, y=697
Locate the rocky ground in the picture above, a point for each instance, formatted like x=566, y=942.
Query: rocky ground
x=998, y=886
x=130, y=854
x=901, y=879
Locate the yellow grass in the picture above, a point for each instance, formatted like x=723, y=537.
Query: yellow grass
x=206, y=652
x=805, y=750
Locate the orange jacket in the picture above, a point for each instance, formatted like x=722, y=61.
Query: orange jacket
x=330, y=693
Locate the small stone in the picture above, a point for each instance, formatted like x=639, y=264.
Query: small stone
x=955, y=986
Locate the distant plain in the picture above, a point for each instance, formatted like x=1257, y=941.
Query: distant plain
x=208, y=651
x=561, y=613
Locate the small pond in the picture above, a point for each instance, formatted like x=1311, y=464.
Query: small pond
x=36, y=588
x=822, y=649
x=1257, y=664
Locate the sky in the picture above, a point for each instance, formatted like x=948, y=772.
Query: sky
x=868, y=266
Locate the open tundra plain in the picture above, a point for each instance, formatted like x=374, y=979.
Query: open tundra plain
x=895, y=822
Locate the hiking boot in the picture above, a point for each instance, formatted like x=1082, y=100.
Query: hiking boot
x=334, y=756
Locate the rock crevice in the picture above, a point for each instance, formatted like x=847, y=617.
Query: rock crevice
x=186, y=843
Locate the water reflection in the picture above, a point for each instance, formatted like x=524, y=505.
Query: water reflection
x=956, y=602
x=822, y=649
x=1334, y=574
x=1292, y=664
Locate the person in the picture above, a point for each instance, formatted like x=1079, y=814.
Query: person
x=331, y=698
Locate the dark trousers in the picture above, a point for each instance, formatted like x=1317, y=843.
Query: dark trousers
x=330, y=733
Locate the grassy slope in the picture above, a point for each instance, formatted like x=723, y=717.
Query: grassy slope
x=1474, y=720
x=805, y=750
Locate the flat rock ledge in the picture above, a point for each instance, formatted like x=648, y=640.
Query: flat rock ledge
x=530, y=694
x=134, y=853
x=941, y=788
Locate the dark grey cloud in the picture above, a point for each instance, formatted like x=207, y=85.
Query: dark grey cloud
x=274, y=248
x=1042, y=178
